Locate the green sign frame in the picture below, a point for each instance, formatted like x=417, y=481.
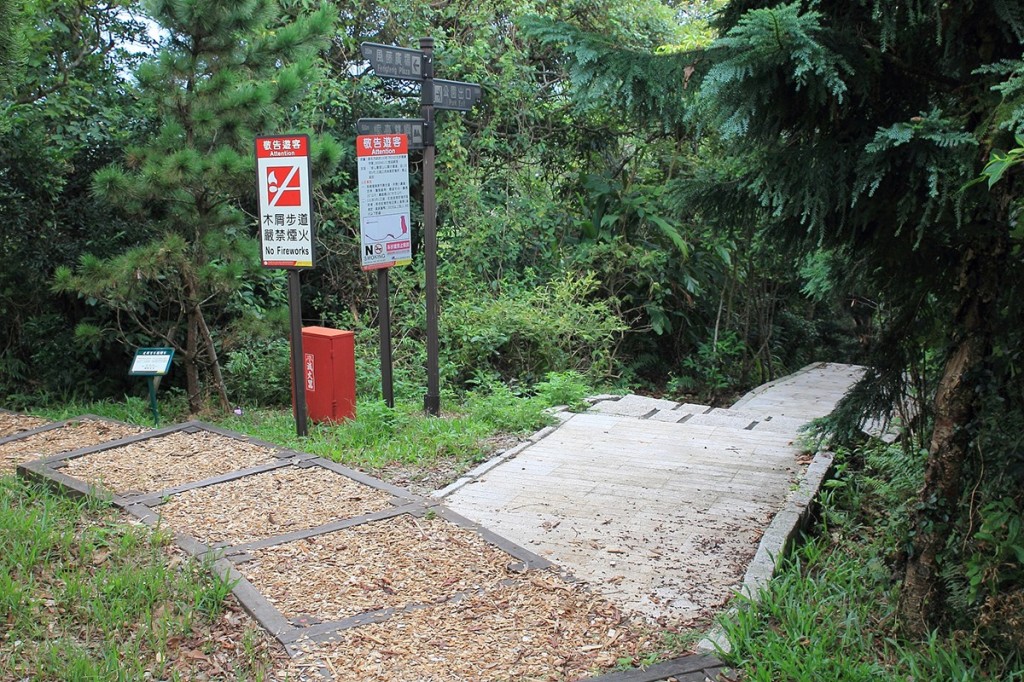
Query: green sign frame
x=151, y=362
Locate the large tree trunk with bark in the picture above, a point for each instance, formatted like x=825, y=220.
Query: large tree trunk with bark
x=955, y=406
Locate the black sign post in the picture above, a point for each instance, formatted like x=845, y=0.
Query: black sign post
x=387, y=388
x=298, y=375
x=402, y=63
x=432, y=400
x=412, y=128
x=283, y=181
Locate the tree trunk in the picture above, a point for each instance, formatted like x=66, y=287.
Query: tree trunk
x=211, y=354
x=956, y=401
x=195, y=401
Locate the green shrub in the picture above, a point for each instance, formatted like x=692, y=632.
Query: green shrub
x=521, y=334
x=496, y=407
x=260, y=373
x=714, y=370
x=564, y=388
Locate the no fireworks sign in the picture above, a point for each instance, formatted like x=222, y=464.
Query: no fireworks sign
x=286, y=215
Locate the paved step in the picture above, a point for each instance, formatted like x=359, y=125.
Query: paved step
x=728, y=419
x=723, y=419
x=749, y=414
x=791, y=425
x=808, y=394
x=633, y=406
x=669, y=416
x=695, y=409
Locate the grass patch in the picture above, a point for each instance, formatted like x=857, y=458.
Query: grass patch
x=85, y=595
x=131, y=410
x=830, y=612
x=380, y=436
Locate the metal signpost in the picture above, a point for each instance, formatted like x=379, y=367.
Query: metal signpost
x=287, y=236
x=412, y=128
x=384, y=220
x=152, y=363
x=389, y=61
x=455, y=95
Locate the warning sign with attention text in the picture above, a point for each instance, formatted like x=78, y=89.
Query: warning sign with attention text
x=286, y=216
x=385, y=225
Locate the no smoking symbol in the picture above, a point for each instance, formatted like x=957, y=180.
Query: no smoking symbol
x=283, y=187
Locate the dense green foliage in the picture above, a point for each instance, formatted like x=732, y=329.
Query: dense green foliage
x=870, y=140
x=862, y=129
x=831, y=611
x=149, y=209
x=66, y=114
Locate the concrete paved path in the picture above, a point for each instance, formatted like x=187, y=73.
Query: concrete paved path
x=658, y=505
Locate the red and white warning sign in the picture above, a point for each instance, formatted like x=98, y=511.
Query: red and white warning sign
x=286, y=215
x=284, y=186
x=383, y=168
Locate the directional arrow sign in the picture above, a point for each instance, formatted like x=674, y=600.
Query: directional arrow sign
x=389, y=61
x=412, y=128
x=455, y=95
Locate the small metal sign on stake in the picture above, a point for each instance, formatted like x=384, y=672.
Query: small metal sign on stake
x=152, y=363
x=287, y=234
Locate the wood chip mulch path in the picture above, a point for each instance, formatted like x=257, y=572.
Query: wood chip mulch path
x=159, y=463
x=537, y=629
x=72, y=436
x=271, y=503
x=390, y=563
x=11, y=424
x=463, y=612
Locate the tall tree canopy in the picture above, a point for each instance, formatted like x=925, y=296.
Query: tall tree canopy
x=863, y=126
x=64, y=112
x=225, y=72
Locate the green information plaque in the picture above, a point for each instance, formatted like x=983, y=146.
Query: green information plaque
x=151, y=362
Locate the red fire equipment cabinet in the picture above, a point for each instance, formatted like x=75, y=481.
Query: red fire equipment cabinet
x=329, y=373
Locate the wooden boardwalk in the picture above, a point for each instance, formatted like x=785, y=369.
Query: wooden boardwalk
x=657, y=505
